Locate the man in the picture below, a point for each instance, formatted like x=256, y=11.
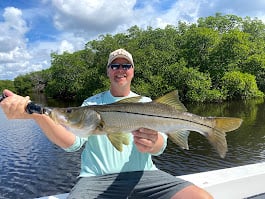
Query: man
x=106, y=172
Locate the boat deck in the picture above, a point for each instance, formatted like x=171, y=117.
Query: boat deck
x=243, y=182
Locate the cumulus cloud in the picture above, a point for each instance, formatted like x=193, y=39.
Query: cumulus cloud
x=18, y=56
x=92, y=16
x=12, y=41
x=13, y=44
x=181, y=10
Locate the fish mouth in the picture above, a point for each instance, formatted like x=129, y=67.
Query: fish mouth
x=47, y=111
x=57, y=117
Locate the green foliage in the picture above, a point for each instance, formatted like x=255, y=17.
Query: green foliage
x=254, y=27
x=240, y=85
x=197, y=46
x=228, y=54
x=68, y=74
x=255, y=65
x=221, y=23
x=220, y=57
x=23, y=84
x=7, y=84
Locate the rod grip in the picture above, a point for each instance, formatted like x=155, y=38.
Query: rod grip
x=34, y=108
x=2, y=97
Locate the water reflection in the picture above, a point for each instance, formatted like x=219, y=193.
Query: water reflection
x=31, y=166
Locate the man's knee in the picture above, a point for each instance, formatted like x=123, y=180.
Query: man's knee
x=192, y=192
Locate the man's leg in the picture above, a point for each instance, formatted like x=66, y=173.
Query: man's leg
x=192, y=192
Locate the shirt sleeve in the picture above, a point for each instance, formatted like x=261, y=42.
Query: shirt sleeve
x=164, y=145
x=79, y=142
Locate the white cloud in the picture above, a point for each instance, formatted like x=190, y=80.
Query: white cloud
x=182, y=10
x=92, y=16
x=12, y=30
x=65, y=46
x=13, y=44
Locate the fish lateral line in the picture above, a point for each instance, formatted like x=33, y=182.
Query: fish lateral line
x=161, y=116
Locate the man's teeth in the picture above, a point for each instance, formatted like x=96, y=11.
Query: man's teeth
x=120, y=76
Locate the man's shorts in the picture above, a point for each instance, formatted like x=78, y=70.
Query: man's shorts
x=139, y=184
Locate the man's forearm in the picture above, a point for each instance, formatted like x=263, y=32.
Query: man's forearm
x=54, y=132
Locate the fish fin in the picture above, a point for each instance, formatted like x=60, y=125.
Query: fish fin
x=217, y=138
x=227, y=124
x=172, y=99
x=118, y=139
x=130, y=100
x=180, y=138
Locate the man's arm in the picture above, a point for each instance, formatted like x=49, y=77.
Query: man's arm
x=14, y=108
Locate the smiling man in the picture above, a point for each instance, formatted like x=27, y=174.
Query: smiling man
x=120, y=70
x=130, y=173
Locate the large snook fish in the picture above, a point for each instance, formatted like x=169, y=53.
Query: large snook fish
x=166, y=114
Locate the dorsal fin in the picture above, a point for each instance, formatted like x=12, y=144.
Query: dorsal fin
x=130, y=100
x=172, y=99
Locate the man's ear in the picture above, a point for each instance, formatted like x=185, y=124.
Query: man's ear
x=107, y=72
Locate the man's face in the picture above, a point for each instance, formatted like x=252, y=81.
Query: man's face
x=120, y=76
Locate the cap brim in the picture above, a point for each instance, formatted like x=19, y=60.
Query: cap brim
x=119, y=56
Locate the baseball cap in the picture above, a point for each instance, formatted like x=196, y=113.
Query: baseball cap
x=120, y=53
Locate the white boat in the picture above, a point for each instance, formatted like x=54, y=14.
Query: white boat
x=234, y=183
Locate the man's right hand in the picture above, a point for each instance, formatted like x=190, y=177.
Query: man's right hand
x=14, y=105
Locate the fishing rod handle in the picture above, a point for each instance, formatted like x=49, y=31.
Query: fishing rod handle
x=30, y=108
x=34, y=108
x=2, y=97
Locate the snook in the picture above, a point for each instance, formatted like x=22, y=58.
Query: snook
x=166, y=114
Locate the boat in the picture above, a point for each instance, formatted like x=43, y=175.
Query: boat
x=241, y=182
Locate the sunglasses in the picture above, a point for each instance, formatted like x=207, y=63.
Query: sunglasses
x=123, y=66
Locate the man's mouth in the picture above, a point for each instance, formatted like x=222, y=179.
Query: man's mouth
x=121, y=76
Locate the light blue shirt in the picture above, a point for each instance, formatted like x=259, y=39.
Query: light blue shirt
x=99, y=157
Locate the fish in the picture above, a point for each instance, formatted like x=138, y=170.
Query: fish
x=165, y=114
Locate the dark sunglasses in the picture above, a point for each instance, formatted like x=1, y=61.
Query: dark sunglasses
x=123, y=66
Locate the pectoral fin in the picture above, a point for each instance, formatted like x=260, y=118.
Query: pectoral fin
x=118, y=139
x=180, y=138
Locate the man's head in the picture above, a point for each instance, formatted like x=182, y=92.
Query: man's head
x=120, y=70
x=120, y=53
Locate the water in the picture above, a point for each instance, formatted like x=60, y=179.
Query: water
x=31, y=166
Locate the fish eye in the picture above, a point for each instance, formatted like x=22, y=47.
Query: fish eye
x=69, y=110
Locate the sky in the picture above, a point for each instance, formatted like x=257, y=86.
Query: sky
x=30, y=30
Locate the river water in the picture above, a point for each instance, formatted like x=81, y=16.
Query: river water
x=31, y=166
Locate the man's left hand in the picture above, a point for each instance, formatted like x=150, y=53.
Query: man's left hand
x=146, y=140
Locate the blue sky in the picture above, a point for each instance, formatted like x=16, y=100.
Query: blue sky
x=31, y=29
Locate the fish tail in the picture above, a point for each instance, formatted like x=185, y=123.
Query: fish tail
x=217, y=137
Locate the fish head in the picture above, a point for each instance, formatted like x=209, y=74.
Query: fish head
x=69, y=117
